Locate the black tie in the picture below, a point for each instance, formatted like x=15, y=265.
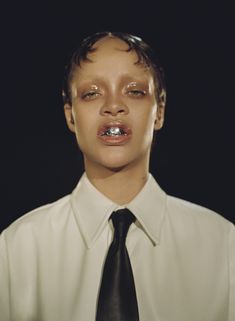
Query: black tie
x=117, y=298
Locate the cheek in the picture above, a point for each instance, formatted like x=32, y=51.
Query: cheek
x=146, y=118
x=85, y=121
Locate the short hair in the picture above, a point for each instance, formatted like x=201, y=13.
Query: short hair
x=144, y=52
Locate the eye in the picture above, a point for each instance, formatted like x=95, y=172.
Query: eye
x=90, y=95
x=136, y=93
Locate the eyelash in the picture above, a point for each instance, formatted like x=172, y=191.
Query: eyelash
x=90, y=95
x=136, y=93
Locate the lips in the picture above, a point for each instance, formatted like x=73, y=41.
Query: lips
x=114, y=133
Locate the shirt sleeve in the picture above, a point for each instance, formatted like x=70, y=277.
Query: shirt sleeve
x=4, y=281
x=232, y=273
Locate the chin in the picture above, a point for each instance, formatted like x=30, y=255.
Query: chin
x=115, y=169
x=115, y=164
x=110, y=161
x=115, y=160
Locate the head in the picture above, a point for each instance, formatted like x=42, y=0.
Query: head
x=114, y=99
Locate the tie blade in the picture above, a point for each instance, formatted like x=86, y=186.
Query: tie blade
x=117, y=298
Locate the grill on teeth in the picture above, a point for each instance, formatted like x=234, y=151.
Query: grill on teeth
x=114, y=131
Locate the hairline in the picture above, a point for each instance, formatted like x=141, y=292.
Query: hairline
x=141, y=62
x=142, y=59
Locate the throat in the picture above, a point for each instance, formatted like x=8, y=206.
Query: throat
x=119, y=187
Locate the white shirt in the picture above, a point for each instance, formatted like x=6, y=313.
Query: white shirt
x=182, y=256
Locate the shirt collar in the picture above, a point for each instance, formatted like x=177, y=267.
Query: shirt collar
x=149, y=208
x=92, y=209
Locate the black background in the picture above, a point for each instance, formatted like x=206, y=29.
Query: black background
x=194, y=154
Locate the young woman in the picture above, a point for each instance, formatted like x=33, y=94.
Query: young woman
x=179, y=257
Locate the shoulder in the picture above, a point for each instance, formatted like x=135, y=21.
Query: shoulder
x=193, y=216
x=40, y=218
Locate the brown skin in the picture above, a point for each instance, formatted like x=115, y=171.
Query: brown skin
x=110, y=88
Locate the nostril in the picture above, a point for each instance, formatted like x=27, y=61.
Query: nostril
x=114, y=109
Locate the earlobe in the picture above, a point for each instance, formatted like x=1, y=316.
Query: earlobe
x=159, y=121
x=69, y=117
x=158, y=124
x=72, y=119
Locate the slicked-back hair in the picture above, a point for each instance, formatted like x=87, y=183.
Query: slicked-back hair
x=144, y=53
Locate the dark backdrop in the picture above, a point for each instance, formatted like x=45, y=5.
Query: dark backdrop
x=194, y=154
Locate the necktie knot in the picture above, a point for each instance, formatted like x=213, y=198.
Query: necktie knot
x=122, y=219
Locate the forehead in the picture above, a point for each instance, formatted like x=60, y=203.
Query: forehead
x=110, y=44
x=111, y=56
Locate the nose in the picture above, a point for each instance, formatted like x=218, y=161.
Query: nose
x=113, y=107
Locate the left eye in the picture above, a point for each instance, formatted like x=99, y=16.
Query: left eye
x=136, y=93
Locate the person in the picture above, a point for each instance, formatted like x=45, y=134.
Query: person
x=182, y=255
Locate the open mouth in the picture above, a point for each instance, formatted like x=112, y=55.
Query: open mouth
x=114, y=131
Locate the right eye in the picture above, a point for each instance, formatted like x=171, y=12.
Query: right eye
x=90, y=95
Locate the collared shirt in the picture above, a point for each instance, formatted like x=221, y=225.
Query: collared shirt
x=182, y=256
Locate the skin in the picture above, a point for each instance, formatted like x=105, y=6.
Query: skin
x=113, y=88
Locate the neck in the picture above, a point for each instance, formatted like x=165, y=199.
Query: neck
x=121, y=185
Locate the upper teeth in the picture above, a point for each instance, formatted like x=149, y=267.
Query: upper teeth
x=114, y=131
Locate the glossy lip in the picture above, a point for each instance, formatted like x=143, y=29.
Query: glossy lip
x=114, y=140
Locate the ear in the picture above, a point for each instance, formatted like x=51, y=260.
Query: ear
x=160, y=115
x=69, y=117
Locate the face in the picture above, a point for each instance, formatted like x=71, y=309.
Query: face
x=114, y=110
